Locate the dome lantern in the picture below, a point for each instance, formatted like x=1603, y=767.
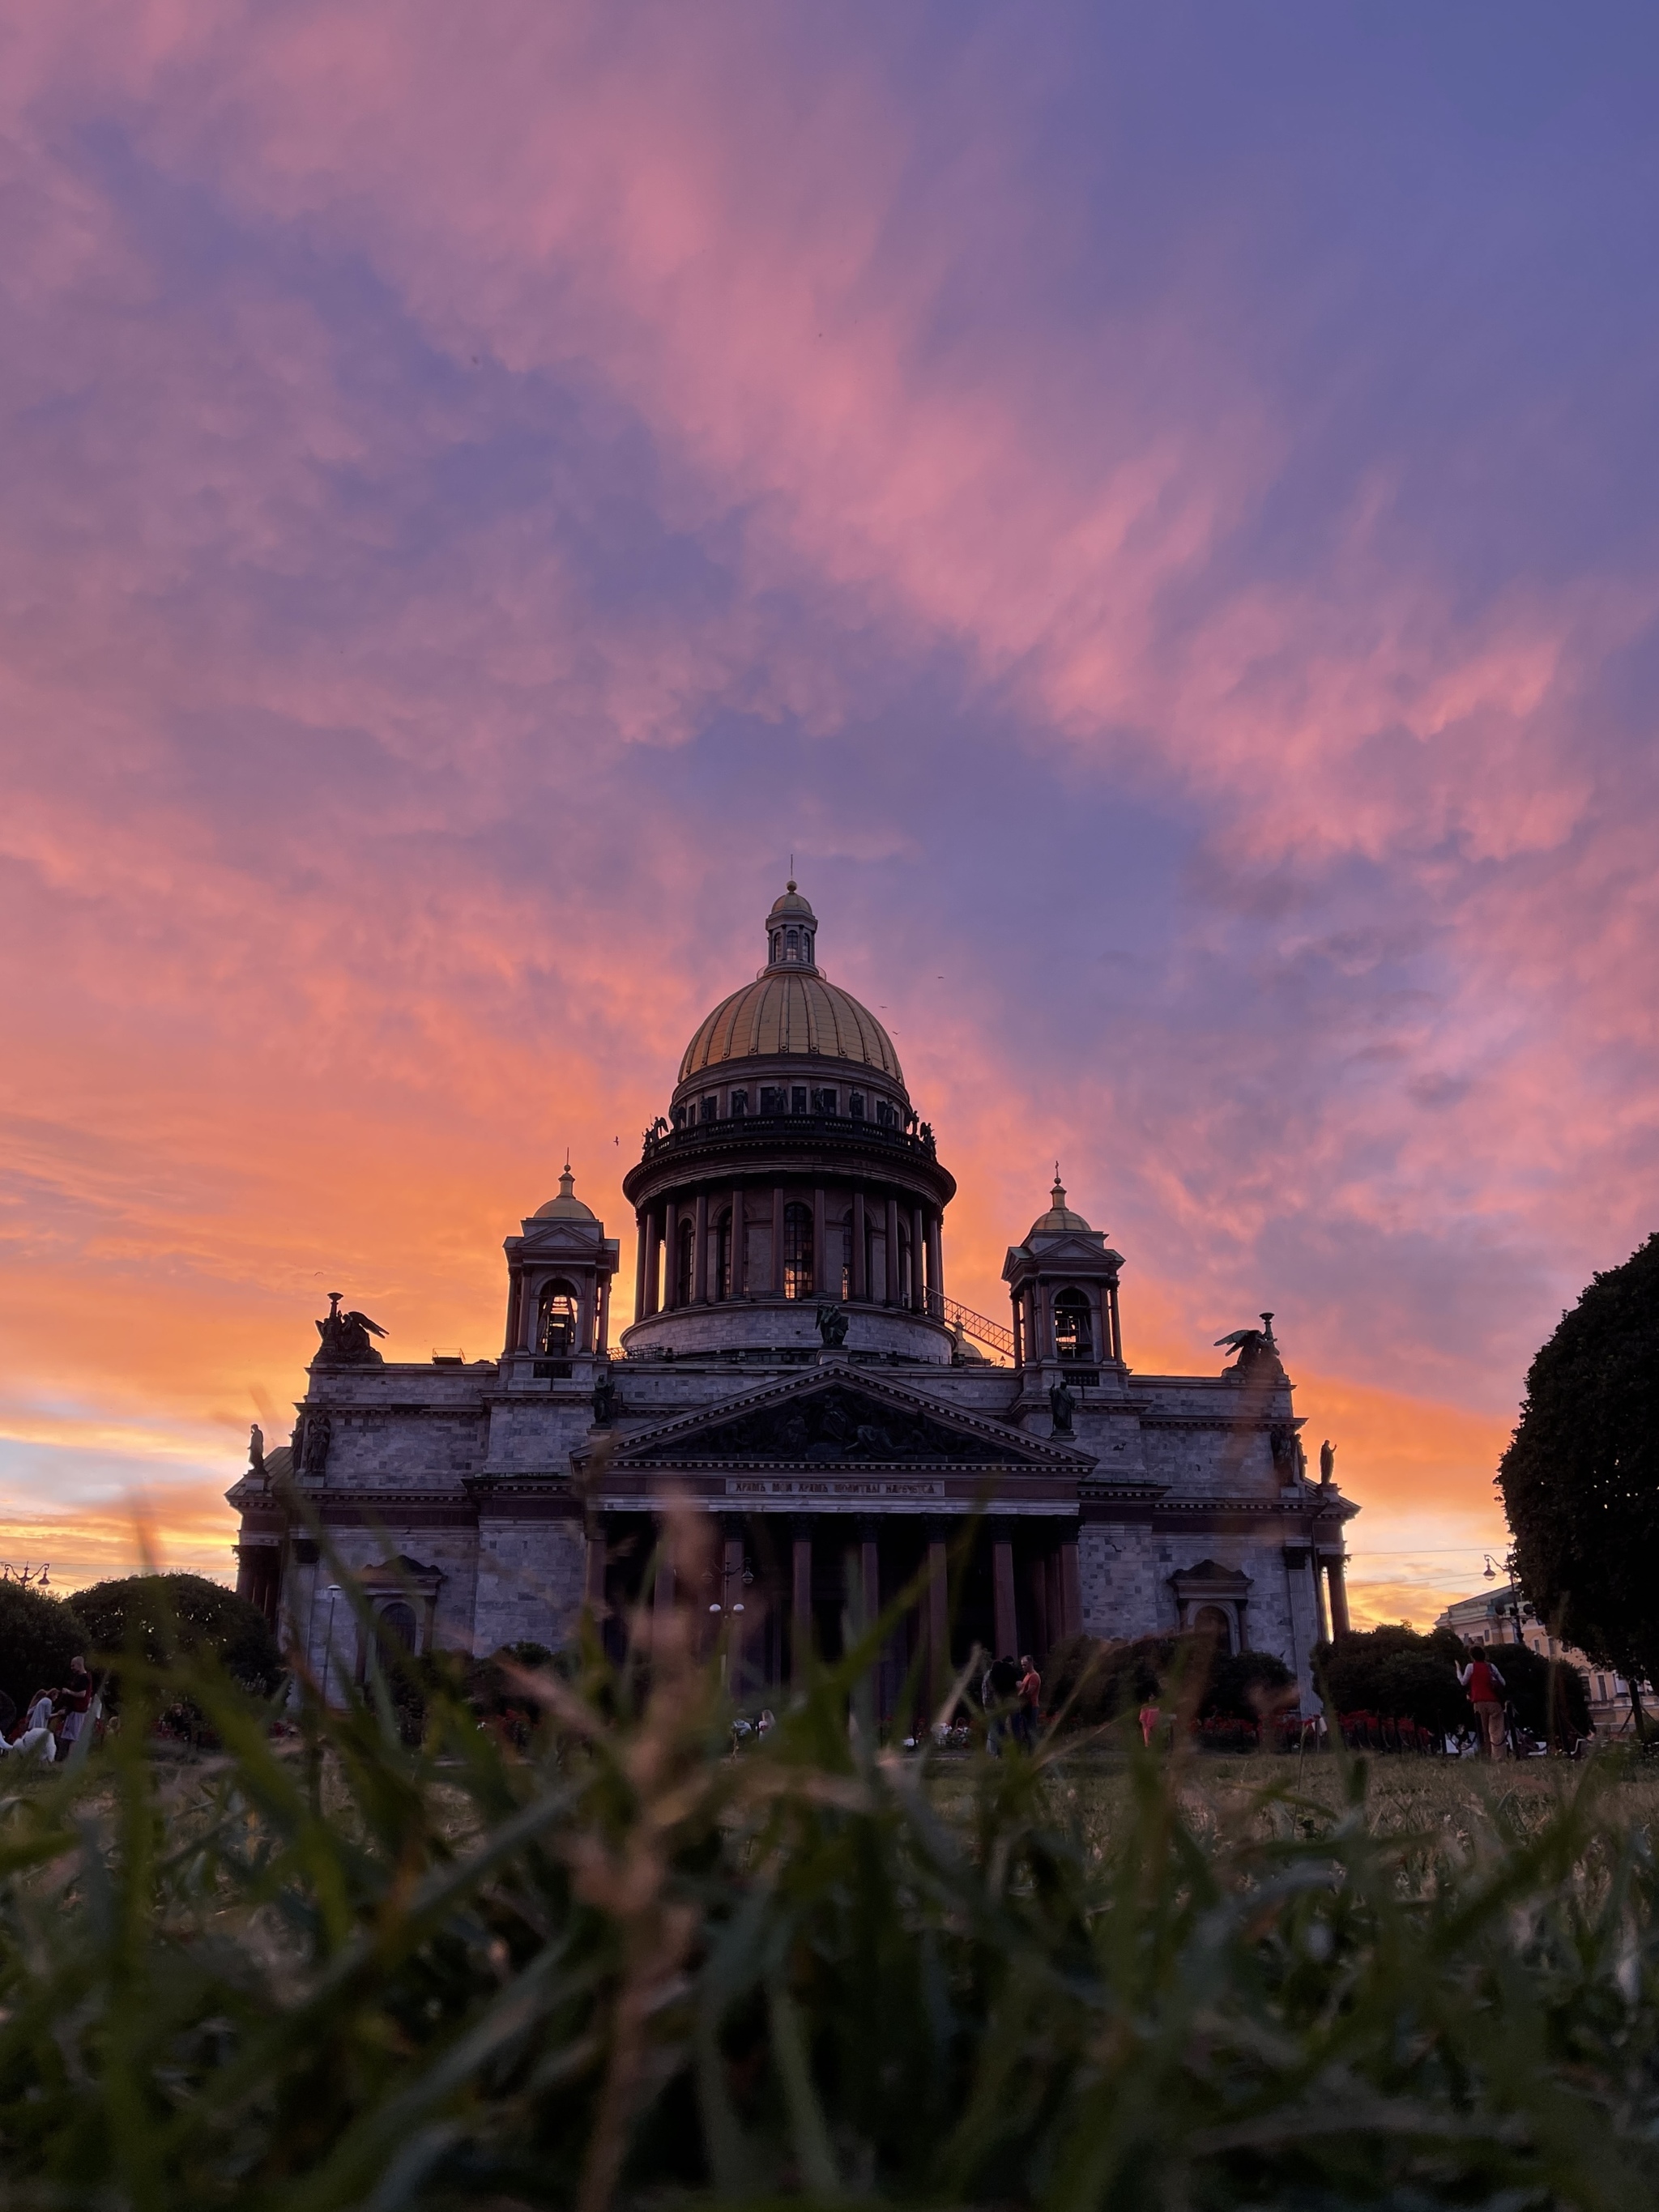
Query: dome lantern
x=792, y=929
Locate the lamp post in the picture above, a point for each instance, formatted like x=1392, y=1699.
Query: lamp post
x=1513, y=1608
x=333, y=1591
x=727, y=1607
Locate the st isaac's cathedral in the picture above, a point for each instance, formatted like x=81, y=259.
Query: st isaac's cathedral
x=797, y=1372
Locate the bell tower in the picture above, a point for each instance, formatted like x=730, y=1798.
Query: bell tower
x=1062, y=1280
x=559, y=1271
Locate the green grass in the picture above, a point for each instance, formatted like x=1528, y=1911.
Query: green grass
x=620, y=1966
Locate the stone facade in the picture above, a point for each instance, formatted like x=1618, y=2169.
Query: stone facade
x=796, y=1384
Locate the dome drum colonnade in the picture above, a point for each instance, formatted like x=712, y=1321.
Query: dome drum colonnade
x=791, y=1171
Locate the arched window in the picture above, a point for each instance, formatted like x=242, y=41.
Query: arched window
x=777, y=945
x=1074, y=1335
x=682, y=1264
x=1211, y=1620
x=556, y=1321
x=397, y=1624
x=798, y=1251
x=794, y=944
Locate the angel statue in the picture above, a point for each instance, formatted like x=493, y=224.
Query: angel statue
x=345, y=1337
x=1253, y=1346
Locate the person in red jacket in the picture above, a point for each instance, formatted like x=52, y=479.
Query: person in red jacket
x=1484, y=1684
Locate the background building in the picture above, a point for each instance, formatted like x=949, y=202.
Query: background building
x=798, y=1382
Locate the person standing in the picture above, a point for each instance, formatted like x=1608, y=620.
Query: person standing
x=76, y=1696
x=1485, y=1684
x=1030, y=1693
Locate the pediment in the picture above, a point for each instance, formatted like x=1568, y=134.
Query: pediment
x=839, y=1418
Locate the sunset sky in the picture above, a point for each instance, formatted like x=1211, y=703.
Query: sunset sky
x=1153, y=506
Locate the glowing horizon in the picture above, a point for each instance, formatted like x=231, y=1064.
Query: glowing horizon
x=1151, y=512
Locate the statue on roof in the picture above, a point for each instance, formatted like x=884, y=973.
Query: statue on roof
x=345, y=1337
x=1062, y=1406
x=256, y=1452
x=1256, y=1348
x=1326, y=1463
x=832, y=1327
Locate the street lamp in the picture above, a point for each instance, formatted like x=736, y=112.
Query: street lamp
x=1513, y=1608
x=332, y=1592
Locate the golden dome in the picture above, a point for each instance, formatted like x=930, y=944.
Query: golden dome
x=1060, y=1217
x=567, y=1206
x=792, y=1010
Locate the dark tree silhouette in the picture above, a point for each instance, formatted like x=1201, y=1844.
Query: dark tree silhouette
x=1580, y=1480
x=162, y=1616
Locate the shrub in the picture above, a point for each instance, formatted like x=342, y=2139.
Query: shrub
x=1394, y=1672
x=622, y=1968
x=1553, y=1702
x=38, y=1637
x=1093, y=1681
x=161, y=1618
x=1246, y=1685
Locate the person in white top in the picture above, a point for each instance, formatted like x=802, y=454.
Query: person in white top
x=36, y=1734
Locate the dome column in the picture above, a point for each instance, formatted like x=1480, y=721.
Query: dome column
x=936, y=1264
x=700, y=1292
x=918, y=1287
x=821, y=1287
x=642, y=1239
x=738, y=1228
x=891, y=1287
x=860, y=1248
x=653, y=1261
x=671, y=1265
x=777, y=1240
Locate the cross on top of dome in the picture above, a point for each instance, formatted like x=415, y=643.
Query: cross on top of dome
x=792, y=929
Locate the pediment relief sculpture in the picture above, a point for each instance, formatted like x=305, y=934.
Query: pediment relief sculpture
x=833, y=1423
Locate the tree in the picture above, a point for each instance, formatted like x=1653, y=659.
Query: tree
x=164, y=1617
x=1580, y=1480
x=1399, y=1674
x=1552, y=1701
x=38, y=1637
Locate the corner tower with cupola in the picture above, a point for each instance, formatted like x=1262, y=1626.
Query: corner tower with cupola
x=791, y=1170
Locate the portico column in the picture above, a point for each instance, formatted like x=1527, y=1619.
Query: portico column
x=1002, y=1590
x=662, y=1592
x=593, y=1577
x=1339, y=1594
x=777, y=1240
x=860, y=1284
x=642, y=1238
x=918, y=1287
x=671, y=1264
x=1321, y=1612
x=1071, y=1588
x=1053, y=1608
x=875, y=1685
x=737, y=1241
x=800, y=1601
x=891, y=1287
x=700, y=1291
x=820, y=1248
x=937, y=1621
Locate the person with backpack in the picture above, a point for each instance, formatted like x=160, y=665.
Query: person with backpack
x=1484, y=1684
